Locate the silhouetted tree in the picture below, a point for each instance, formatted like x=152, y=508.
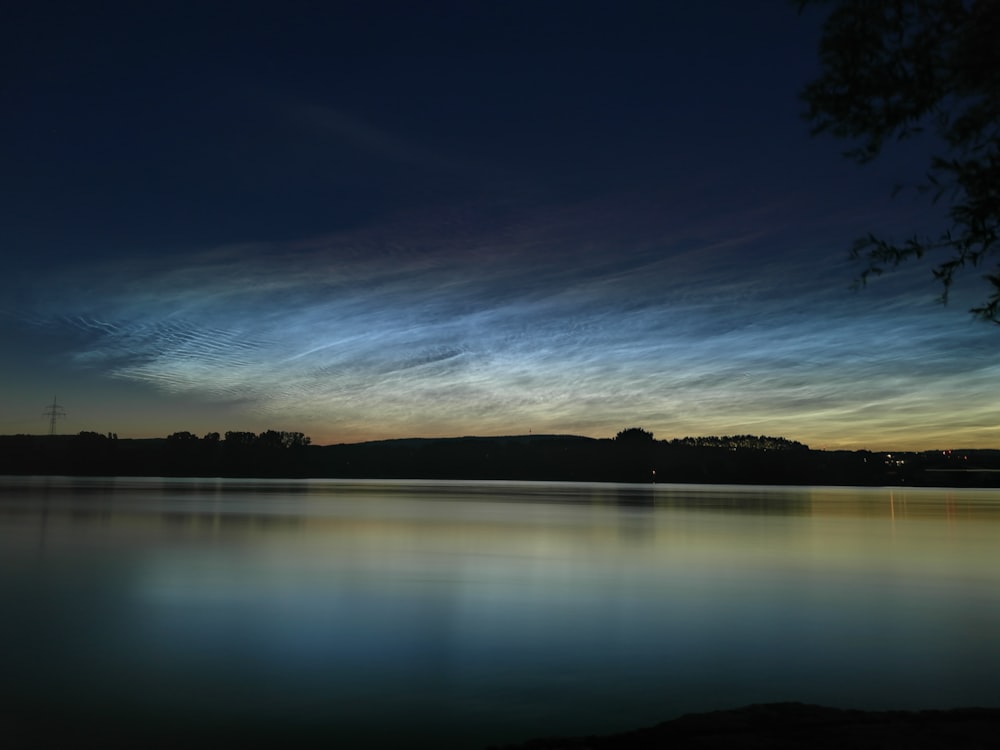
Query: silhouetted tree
x=296, y=439
x=634, y=435
x=894, y=68
x=280, y=439
x=270, y=439
x=182, y=437
x=235, y=438
x=754, y=442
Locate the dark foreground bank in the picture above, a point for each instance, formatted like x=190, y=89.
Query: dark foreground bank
x=797, y=725
x=780, y=726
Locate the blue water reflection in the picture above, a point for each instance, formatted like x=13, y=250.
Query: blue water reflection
x=481, y=612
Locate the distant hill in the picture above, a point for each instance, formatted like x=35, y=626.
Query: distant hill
x=740, y=459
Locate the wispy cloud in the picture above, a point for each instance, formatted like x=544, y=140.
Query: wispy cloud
x=417, y=330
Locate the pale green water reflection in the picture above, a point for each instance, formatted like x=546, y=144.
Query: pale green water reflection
x=486, y=612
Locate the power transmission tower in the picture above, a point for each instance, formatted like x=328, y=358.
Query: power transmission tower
x=54, y=412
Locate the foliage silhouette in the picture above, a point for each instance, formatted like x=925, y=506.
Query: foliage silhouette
x=634, y=435
x=732, y=442
x=892, y=70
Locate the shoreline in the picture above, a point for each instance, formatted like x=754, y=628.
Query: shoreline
x=775, y=726
x=796, y=725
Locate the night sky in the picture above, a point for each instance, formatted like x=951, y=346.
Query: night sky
x=373, y=220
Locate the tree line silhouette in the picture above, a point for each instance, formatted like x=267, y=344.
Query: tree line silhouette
x=633, y=455
x=758, y=442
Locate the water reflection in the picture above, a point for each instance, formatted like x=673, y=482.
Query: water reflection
x=488, y=612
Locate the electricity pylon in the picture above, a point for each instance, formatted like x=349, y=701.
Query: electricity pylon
x=54, y=412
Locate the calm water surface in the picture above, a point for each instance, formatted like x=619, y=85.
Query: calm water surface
x=473, y=613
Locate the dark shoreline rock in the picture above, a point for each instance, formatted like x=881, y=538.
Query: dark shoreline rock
x=797, y=725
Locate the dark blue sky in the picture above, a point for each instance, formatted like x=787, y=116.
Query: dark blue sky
x=393, y=219
x=184, y=125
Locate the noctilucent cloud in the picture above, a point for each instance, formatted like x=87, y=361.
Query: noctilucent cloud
x=398, y=221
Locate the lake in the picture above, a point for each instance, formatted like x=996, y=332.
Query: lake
x=394, y=613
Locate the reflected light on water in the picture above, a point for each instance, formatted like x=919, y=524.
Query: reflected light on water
x=490, y=612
